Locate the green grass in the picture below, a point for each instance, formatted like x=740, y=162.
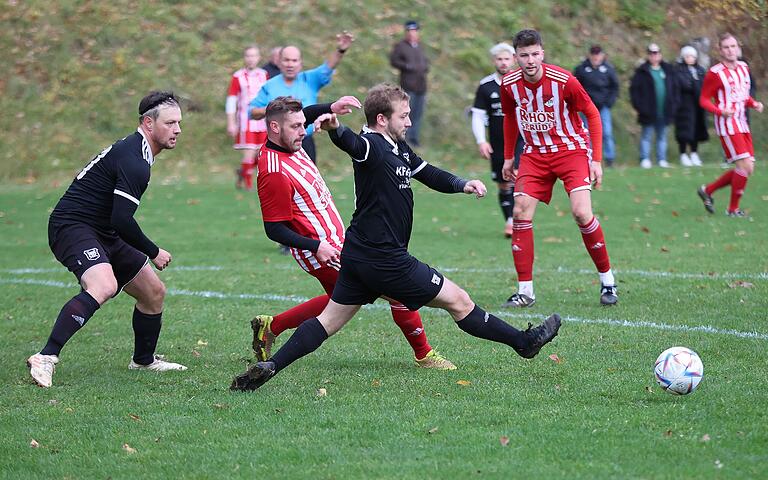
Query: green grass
x=597, y=414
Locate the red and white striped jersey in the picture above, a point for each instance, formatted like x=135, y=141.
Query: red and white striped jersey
x=546, y=113
x=245, y=85
x=730, y=89
x=292, y=190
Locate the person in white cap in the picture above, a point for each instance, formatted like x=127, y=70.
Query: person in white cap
x=690, y=123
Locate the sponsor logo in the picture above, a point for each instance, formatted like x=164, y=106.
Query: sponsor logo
x=436, y=279
x=550, y=102
x=416, y=332
x=597, y=246
x=407, y=157
x=494, y=95
x=537, y=121
x=78, y=319
x=92, y=254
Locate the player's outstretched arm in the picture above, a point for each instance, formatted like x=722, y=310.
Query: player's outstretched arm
x=442, y=181
x=355, y=145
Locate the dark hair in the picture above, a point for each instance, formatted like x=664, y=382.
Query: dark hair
x=278, y=107
x=527, y=38
x=149, y=105
x=380, y=99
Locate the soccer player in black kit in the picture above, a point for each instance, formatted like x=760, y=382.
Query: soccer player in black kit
x=92, y=232
x=486, y=110
x=375, y=260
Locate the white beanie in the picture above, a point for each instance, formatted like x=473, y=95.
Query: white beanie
x=688, y=50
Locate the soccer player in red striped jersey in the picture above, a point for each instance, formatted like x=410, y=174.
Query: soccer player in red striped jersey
x=249, y=134
x=725, y=93
x=542, y=103
x=298, y=211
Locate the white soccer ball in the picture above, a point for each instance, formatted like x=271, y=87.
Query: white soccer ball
x=678, y=370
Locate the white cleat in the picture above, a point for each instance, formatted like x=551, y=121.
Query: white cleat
x=41, y=368
x=159, y=365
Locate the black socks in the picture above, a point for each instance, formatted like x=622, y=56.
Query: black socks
x=146, y=331
x=483, y=325
x=306, y=339
x=507, y=202
x=72, y=317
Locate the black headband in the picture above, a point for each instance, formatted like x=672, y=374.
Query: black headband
x=160, y=100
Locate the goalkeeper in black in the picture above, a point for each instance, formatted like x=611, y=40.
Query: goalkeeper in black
x=375, y=260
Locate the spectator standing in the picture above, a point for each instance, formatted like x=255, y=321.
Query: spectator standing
x=273, y=65
x=599, y=79
x=690, y=124
x=652, y=92
x=408, y=57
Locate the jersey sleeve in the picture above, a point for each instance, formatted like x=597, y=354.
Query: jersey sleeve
x=482, y=102
x=234, y=87
x=511, y=131
x=579, y=100
x=132, y=178
x=275, y=194
x=709, y=91
x=319, y=77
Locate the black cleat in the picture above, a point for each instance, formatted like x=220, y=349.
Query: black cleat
x=608, y=295
x=709, y=202
x=540, y=336
x=256, y=376
x=519, y=300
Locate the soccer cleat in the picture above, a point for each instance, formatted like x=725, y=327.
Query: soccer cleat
x=540, y=336
x=709, y=202
x=263, y=338
x=41, y=368
x=736, y=213
x=436, y=361
x=609, y=295
x=519, y=300
x=646, y=163
x=508, y=230
x=664, y=164
x=158, y=365
x=256, y=376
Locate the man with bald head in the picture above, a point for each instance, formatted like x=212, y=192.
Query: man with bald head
x=300, y=84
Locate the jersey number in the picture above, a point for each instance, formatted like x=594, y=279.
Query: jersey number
x=94, y=162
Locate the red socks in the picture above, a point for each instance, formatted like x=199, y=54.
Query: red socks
x=246, y=171
x=724, y=180
x=522, y=249
x=738, y=183
x=592, y=234
x=412, y=328
x=292, y=318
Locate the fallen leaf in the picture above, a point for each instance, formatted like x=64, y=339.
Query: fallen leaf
x=555, y=358
x=376, y=382
x=128, y=449
x=645, y=229
x=134, y=417
x=220, y=405
x=464, y=383
x=742, y=284
x=52, y=401
x=664, y=250
x=33, y=444
x=321, y=392
x=649, y=389
x=432, y=430
x=195, y=353
x=668, y=433
x=675, y=214
x=504, y=441
x=202, y=343
x=705, y=437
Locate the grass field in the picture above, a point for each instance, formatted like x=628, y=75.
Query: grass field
x=685, y=278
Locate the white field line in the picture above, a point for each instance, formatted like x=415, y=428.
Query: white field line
x=298, y=299
x=509, y=269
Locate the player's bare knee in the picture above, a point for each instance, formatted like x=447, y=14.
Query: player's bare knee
x=104, y=290
x=460, y=303
x=582, y=215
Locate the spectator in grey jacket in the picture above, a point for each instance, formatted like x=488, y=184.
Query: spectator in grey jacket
x=408, y=57
x=599, y=79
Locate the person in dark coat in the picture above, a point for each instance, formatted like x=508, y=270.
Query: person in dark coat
x=690, y=124
x=599, y=79
x=653, y=94
x=408, y=57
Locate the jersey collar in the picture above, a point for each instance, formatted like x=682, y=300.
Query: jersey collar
x=367, y=129
x=146, y=150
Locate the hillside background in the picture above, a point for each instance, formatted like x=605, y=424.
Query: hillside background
x=74, y=71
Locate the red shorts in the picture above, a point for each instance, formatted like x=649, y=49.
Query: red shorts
x=327, y=277
x=250, y=140
x=538, y=173
x=737, y=146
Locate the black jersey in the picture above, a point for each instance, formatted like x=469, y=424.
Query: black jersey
x=488, y=99
x=107, y=191
x=383, y=219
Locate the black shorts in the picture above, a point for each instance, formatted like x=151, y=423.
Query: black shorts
x=79, y=247
x=497, y=160
x=402, y=278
